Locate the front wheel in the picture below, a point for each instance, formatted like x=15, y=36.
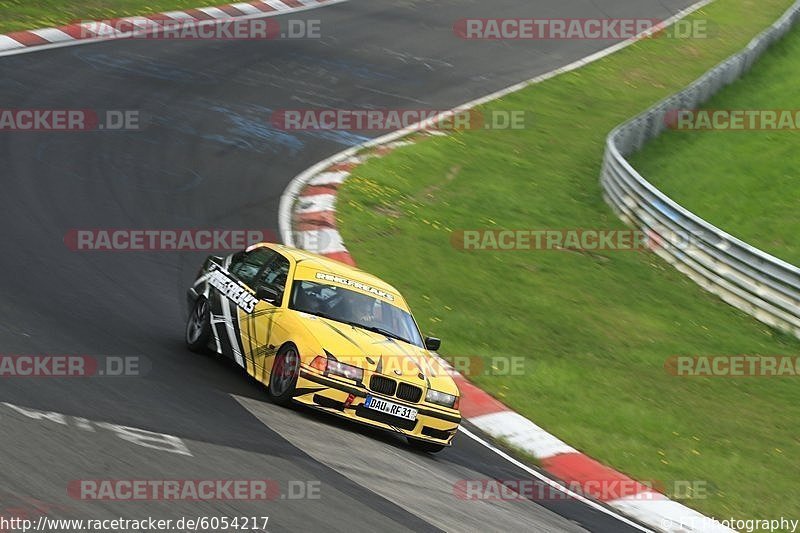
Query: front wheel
x=283, y=378
x=425, y=446
x=198, y=327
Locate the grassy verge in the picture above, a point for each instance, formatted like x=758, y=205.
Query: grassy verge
x=594, y=329
x=30, y=14
x=744, y=182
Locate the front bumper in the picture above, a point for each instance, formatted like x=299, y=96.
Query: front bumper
x=329, y=394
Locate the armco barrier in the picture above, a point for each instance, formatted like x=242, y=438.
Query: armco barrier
x=748, y=278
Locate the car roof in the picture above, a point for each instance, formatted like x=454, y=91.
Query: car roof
x=309, y=264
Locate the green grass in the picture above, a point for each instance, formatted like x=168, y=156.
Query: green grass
x=595, y=329
x=744, y=182
x=30, y=14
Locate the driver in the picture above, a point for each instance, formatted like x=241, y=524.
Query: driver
x=308, y=301
x=359, y=307
x=364, y=309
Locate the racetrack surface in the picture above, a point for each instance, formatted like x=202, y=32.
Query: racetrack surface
x=208, y=158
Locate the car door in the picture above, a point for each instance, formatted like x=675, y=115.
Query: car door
x=233, y=299
x=259, y=328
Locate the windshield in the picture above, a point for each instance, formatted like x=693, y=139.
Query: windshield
x=354, y=308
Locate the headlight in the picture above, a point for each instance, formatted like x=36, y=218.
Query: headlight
x=332, y=366
x=441, y=398
x=346, y=371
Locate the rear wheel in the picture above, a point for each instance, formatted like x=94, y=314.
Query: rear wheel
x=198, y=326
x=425, y=446
x=283, y=378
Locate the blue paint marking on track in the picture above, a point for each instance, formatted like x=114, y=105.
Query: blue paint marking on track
x=125, y=64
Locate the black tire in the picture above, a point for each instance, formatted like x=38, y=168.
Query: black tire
x=198, y=326
x=425, y=446
x=283, y=377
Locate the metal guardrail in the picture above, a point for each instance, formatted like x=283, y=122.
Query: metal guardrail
x=746, y=277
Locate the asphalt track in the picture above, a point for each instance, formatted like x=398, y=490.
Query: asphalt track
x=208, y=158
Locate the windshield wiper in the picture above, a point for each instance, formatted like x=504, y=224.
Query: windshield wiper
x=376, y=329
x=321, y=315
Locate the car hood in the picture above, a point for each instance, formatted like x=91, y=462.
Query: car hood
x=379, y=353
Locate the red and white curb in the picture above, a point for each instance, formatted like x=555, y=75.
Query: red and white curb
x=308, y=220
x=314, y=228
x=139, y=26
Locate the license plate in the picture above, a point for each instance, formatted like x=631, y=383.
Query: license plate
x=390, y=408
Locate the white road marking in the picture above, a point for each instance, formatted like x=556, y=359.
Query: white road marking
x=140, y=437
x=427, y=486
x=551, y=483
x=83, y=423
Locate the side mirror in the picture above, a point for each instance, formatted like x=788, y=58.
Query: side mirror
x=432, y=343
x=268, y=294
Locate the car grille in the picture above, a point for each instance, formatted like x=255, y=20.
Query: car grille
x=389, y=387
x=409, y=393
x=382, y=385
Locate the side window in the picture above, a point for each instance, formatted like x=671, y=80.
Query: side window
x=248, y=266
x=274, y=277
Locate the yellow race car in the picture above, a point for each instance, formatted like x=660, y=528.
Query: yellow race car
x=326, y=335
